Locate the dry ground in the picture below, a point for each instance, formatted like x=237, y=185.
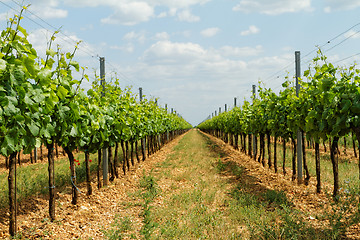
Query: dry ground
x=97, y=212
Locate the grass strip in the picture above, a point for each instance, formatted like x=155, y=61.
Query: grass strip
x=205, y=197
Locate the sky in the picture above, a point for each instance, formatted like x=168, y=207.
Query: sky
x=195, y=55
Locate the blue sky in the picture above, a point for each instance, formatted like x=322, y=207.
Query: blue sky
x=195, y=55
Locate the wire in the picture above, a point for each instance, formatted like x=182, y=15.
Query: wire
x=343, y=32
x=86, y=50
x=342, y=41
x=122, y=74
x=71, y=178
x=323, y=45
x=347, y=58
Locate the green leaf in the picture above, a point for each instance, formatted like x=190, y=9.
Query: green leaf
x=22, y=30
x=75, y=65
x=355, y=108
x=4, y=101
x=45, y=133
x=73, y=131
x=347, y=105
x=20, y=118
x=50, y=52
x=62, y=92
x=38, y=96
x=30, y=65
x=8, y=145
x=34, y=129
x=44, y=76
x=28, y=101
x=2, y=65
x=10, y=109
x=50, y=62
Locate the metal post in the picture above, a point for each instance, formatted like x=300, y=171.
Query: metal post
x=215, y=113
x=235, y=101
x=299, y=134
x=143, y=143
x=225, y=108
x=219, y=110
x=141, y=94
x=105, y=150
x=254, y=142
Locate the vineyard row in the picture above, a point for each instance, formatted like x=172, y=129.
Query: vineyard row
x=43, y=104
x=326, y=108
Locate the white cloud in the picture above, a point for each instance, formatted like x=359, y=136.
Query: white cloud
x=210, y=32
x=327, y=9
x=209, y=77
x=40, y=38
x=130, y=14
x=178, y=59
x=129, y=48
x=352, y=34
x=229, y=51
x=179, y=4
x=166, y=52
x=273, y=7
x=87, y=27
x=252, y=30
x=341, y=5
x=186, y=33
x=287, y=49
x=162, y=15
x=187, y=16
x=162, y=36
x=5, y=16
x=172, y=11
x=48, y=9
x=134, y=36
x=47, y=12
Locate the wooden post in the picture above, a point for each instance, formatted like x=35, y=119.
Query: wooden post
x=12, y=194
x=51, y=171
x=35, y=155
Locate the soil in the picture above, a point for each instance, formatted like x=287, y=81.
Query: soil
x=91, y=215
x=97, y=212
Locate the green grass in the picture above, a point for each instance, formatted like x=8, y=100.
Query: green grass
x=33, y=179
x=119, y=228
x=212, y=201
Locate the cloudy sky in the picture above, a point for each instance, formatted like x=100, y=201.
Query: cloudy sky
x=195, y=55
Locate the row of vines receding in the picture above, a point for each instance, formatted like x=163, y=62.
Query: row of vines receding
x=326, y=110
x=43, y=104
